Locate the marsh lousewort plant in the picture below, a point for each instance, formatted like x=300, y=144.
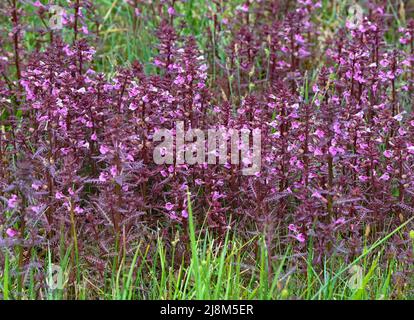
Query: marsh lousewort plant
x=96, y=159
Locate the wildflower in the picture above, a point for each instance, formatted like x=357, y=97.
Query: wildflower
x=103, y=149
x=333, y=151
x=173, y=215
x=36, y=209
x=318, y=152
x=114, y=171
x=184, y=214
x=36, y=186
x=179, y=80
x=171, y=11
x=244, y=7
x=59, y=195
x=78, y=210
x=133, y=106
x=317, y=195
x=292, y=228
x=340, y=221
x=103, y=177
x=399, y=116
x=217, y=195
x=385, y=177
x=38, y=4
x=299, y=39
x=300, y=237
x=320, y=134
x=11, y=232
x=169, y=206
x=12, y=202
x=337, y=128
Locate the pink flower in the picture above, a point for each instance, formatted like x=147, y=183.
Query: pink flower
x=103, y=177
x=37, y=4
x=340, y=221
x=317, y=195
x=319, y=133
x=384, y=63
x=59, y=195
x=318, y=152
x=173, y=215
x=171, y=11
x=388, y=153
x=299, y=39
x=36, y=209
x=78, y=210
x=399, y=116
x=244, y=8
x=169, y=206
x=12, y=202
x=203, y=67
x=179, y=80
x=36, y=186
x=158, y=63
x=11, y=232
x=184, y=214
x=300, y=237
x=292, y=228
x=114, y=171
x=133, y=106
x=103, y=149
x=217, y=195
x=385, y=177
x=333, y=151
